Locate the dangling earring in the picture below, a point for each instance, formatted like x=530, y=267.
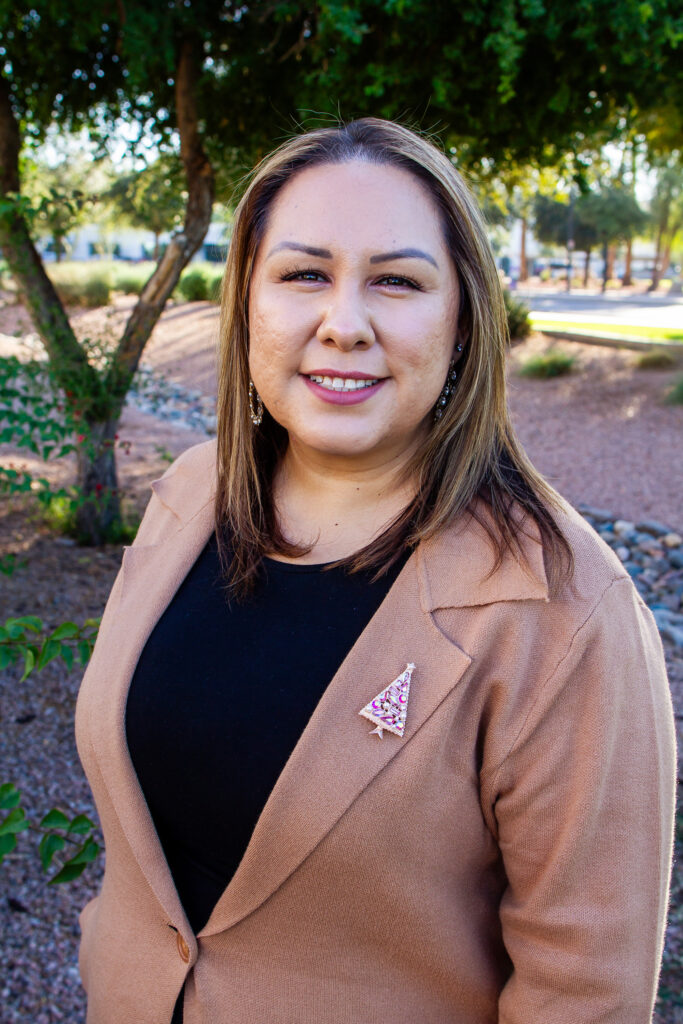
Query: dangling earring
x=255, y=413
x=448, y=389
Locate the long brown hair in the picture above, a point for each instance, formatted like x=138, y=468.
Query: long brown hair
x=471, y=460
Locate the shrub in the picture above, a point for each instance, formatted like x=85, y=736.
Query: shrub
x=517, y=311
x=655, y=359
x=82, y=284
x=130, y=278
x=675, y=396
x=552, y=363
x=200, y=283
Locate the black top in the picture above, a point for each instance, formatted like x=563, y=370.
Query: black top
x=220, y=696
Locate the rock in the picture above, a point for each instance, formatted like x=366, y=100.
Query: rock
x=672, y=540
x=623, y=553
x=654, y=527
x=622, y=527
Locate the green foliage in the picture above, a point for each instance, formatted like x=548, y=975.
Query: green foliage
x=130, y=278
x=20, y=640
x=517, y=311
x=35, y=414
x=58, y=831
x=675, y=396
x=200, y=282
x=553, y=363
x=153, y=198
x=655, y=359
x=9, y=564
x=481, y=72
x=81, y=284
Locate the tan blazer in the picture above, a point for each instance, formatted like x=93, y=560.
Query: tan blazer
x=507, y=860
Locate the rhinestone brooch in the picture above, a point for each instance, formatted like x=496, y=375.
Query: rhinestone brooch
x=389, y=708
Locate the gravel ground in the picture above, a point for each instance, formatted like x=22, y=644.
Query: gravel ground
x=625, y=457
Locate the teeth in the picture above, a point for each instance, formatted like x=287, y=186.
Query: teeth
x=343, y=383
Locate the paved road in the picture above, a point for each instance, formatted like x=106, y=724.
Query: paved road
x=643, y=310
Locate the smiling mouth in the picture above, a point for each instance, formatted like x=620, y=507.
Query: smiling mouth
x=343, y=383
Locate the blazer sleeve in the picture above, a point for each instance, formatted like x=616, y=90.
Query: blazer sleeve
x=584, y=809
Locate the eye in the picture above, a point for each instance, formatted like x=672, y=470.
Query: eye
x=307, y=274
x=396, y=281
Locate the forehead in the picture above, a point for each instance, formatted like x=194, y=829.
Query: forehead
x=355, y=206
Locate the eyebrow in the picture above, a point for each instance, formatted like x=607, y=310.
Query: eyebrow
x=404, y=254
x=383, y=257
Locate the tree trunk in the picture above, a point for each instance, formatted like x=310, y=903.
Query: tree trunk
x=185, y=243
x=587, y=268
x=605, y=266
x=611, y=256
x=98, y=517
x=523, y=272
x=627, y=279
x=156, y=247
x=656, y=269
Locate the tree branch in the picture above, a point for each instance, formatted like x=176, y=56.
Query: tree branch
x=185, y=243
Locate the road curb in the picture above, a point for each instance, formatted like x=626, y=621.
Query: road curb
x=639, y=345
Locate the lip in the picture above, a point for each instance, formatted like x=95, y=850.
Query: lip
x=342, y=397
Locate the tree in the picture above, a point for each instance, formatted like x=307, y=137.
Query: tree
x=59, y=198
x=556, y=221
x=498, y=81
x=153, y=198
x=615, y=216
x=667, y=213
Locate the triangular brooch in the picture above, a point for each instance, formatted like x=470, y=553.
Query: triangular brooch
x=389, y=708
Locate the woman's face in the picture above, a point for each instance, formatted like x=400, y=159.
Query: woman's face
x=353, y=309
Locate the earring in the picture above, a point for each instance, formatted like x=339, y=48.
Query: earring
x=448, y=389
x=255, y=413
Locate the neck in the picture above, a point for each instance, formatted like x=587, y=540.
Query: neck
x=338, y=506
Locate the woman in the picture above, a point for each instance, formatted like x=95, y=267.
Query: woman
x=366, y=547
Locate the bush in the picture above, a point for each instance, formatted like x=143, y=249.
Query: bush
x=675, y=396
x=656, y=359
x=552, y=363
x=517, y=311
x=82, y=284
x=130, y=278
x=200, y=283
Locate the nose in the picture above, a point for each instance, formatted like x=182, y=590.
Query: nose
x=345, y=321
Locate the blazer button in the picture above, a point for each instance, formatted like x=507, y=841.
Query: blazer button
x=183, y=948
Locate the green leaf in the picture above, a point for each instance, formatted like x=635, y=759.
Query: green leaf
x=84, y=649
x=29, y=663
x=67, y=654
x=9, y=796
x=67, y=874
x=49, y=846
x=65, y=631
x=81, y=824
x=14, y=822
x=50, y=651
x=7, y=844
x=76, y=864
x=55, y=819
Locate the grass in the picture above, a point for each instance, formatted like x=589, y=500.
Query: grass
x=608, y=330
x=553, y=363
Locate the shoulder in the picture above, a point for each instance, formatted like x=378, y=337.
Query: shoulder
x=596, y=567
x=187, y=486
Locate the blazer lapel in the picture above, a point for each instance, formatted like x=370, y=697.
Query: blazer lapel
x=336, y=757
x=151, y=576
